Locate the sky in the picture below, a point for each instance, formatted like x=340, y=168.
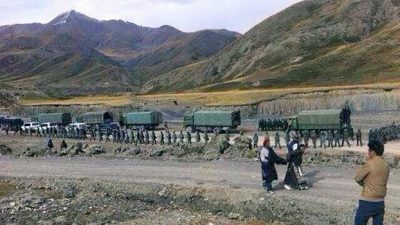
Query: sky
x=186, y=15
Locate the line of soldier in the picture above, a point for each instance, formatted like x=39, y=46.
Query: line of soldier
x=385, y=134
x=327, y=139
x=272, y=124
x=55, y=132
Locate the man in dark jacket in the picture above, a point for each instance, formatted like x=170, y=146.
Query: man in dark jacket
x=294, y=177
x=268, y=159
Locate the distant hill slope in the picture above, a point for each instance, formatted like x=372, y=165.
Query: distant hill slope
x=76, y=55
x=312, y=43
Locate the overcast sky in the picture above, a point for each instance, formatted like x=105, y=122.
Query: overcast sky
x=186, y=15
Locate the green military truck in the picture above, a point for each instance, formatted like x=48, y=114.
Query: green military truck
x=96, y=118
x=319, y=120
x=148, y=120
x=212, y=121
x=61, y=119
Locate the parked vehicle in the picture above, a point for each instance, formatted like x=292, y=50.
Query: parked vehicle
x=93, y=118
x=49, y=125
x=14, y=123
x=81, y=126
x=32, y=126
x=212, y=121
x=61, y=119
x=147, y=120
x=319, y=120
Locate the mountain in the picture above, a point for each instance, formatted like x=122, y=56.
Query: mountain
x=312, y=43
x=77, y=55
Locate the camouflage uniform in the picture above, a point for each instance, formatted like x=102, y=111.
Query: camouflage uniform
x=314, y=138
x=174, y=137
x=277, y=140
x=330, y=139
x=322, y=138
x=346, y=137
x=189, y=137
x=206, y=138
x=162, y=138
x=359, y=138
x=198, y=137
x=181, y=137
x=337, y=138
x=153, y=138
x=255, y=140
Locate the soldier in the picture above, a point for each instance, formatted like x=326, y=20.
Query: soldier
x=141, y=137
x=287, y=137
x=174, y=137
x=255, y=140
x=188, y=137
x=337, y=138
x=277, y=140
x=198, y=136
x=206, y=138
x=181, y=137
x=330, y=139
x=147, y=137
x=359, y=137
x=137, y=137
x=169, y=137
x=314, y=138
x=161, y=138
x=346, y=137
x=7, y=129
x=322, y=138
x=153, y=138
x=306, y=137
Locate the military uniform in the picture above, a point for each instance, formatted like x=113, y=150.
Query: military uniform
x=277, y=140
x=330, y=139
x=189, y=137
x=206, y=138
x=346, y=137
x=169, y=138
x=153, y=138
x=322, y=138
x=255, y=140
x=306, y=136
x=314, y=138
x=359, y=138
x=181, y=137
x=198, y=137
x=147, y=138
x=174, y=137
x=162, y=138
x=337, y=139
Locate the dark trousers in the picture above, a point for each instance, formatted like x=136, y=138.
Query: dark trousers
x=367, y=210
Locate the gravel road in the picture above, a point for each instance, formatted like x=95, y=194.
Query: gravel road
x=332, y=186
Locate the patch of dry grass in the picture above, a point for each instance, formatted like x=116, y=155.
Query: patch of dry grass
x=6, y=189
x=225, y=98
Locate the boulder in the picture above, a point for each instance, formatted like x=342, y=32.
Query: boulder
x=94, y=150
x=5, y=150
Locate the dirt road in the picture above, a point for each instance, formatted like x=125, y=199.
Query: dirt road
x=332, y=186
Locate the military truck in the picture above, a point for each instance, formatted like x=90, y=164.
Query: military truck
x=148, y=120
x=97, y=118
x=212, y=121
x=61, y=119
x=319, y=120
x=14, y=123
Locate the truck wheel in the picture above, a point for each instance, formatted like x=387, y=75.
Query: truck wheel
x=216, y=130
x=189, y=129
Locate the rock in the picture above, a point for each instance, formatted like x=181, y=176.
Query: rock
x=158, y=152
x=134, y=151
x=5, y=150
x=234, y=216
x=69, y=190
x=94, y=150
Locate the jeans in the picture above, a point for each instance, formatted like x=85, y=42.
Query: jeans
x=366, y=210
x=267, y=185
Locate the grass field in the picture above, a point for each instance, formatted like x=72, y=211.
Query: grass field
x=225, y=98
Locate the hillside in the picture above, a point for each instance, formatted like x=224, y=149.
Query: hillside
x=77, y=55
x=312, y=43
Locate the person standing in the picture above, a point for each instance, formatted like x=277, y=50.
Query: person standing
x=268, y=159
x=277, y=140
x=373, y=177
x=255, y=140
x=346, y=136
x=162, y=138
x=198, y=137
x=189, y=137
x=314, y=138
x=153, y=138
x=359, y=137
x=337, y=138
x=306, y=137
x=174, y=137
x=181, y=137
x=330, y=138
x=206, y=138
